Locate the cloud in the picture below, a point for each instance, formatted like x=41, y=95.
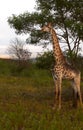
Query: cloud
x=7, y=8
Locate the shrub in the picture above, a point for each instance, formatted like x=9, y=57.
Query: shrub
x=45, y=60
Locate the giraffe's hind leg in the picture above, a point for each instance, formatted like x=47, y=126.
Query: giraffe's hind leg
x=77, y=92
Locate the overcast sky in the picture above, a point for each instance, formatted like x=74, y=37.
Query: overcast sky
x=7, y=8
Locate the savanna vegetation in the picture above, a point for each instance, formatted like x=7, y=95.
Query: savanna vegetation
x=27, y=89
x=27, y=96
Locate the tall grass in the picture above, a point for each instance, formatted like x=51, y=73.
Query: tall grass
x=26, y=100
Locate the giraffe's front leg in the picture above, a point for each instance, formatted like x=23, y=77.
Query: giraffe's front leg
x=56, y=95
x=59, y=92
x=57, y=80
x=57, y=100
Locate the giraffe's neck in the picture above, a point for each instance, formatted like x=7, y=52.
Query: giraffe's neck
x=58, y=55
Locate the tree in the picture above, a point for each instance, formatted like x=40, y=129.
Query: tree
x=18, y=51
x=65, y=15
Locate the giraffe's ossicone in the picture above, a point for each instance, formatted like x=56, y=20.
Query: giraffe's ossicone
x=63, y=70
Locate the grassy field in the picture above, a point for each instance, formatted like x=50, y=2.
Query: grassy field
x=26, y=100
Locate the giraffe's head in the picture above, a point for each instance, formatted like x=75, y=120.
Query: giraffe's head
x=46, y=28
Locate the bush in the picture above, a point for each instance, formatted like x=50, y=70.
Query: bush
x=75, y=60
x=45, y=60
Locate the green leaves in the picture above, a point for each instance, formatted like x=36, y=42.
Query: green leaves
x=46, y=60
x=66, y=15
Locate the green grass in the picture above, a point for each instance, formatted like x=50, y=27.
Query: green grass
x=26, y=103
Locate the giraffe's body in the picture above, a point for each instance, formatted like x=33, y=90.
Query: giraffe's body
x=62, y=70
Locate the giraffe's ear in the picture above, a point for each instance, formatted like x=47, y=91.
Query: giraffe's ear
x=49, y=24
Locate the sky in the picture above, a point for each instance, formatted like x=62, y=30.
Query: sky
x=7, y=8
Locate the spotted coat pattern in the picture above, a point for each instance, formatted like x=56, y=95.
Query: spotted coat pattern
x=62, y=69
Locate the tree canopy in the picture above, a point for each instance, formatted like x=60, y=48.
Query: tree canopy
x=65, y=15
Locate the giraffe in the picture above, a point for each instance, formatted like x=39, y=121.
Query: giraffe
x=62, y=70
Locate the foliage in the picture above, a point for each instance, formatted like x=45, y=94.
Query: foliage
x=65, y=15
x=13, y=67
x=74, y=59
x=45, y=60
x=26, y=101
